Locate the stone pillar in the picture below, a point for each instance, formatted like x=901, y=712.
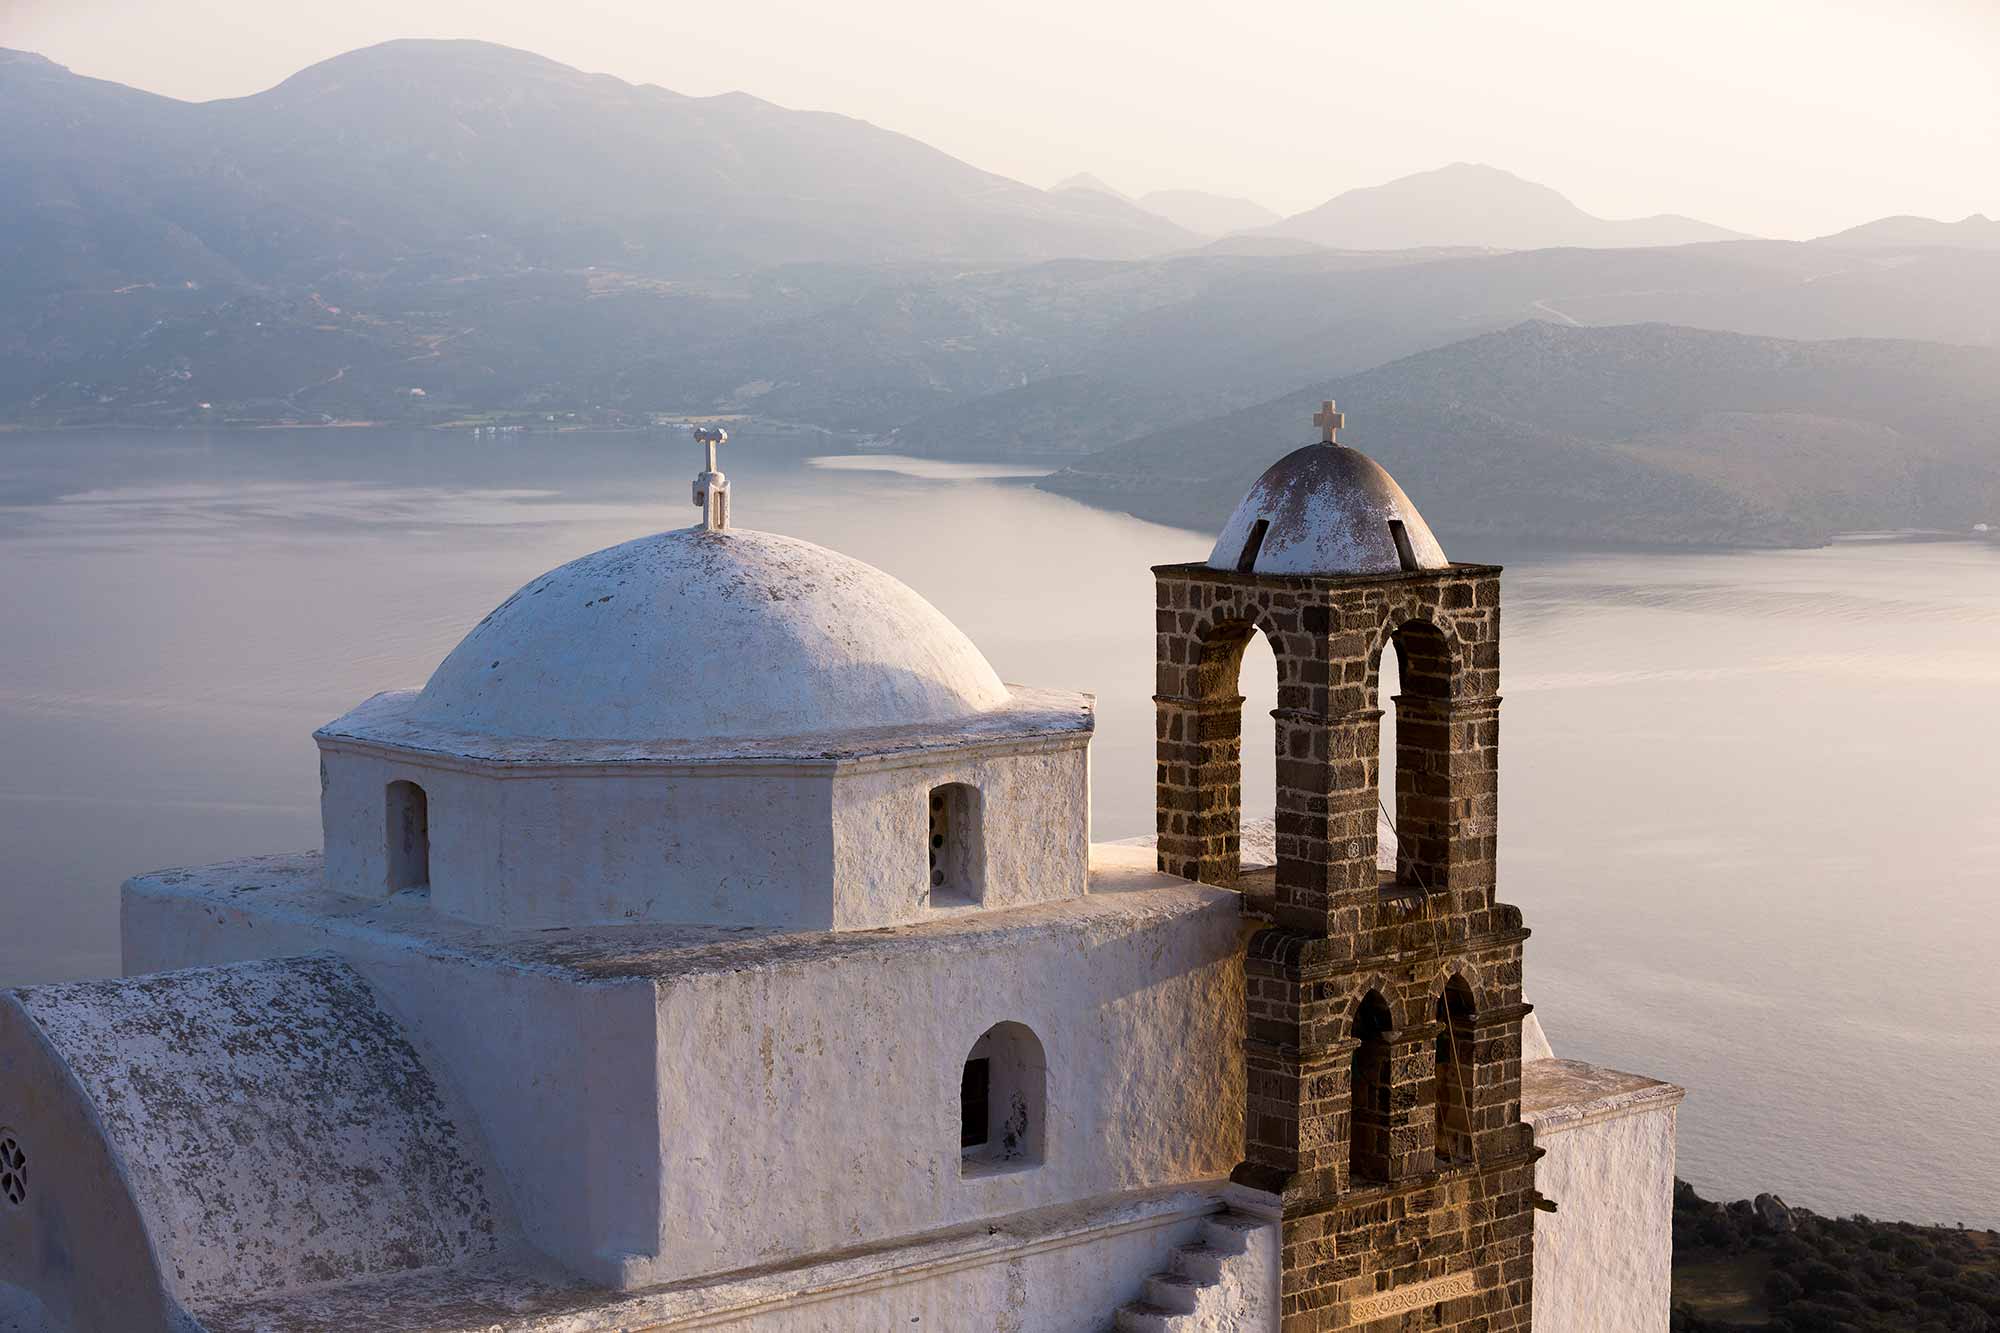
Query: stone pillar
x=1329, y=770
x=1199, y=801
x=1493, y=1082
x=1447, y=793
x=1296, y=1059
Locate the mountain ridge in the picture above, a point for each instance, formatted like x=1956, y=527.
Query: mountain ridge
x=1976, y=231
x=479, y=153
x=1469, y=203
x=1644, y=433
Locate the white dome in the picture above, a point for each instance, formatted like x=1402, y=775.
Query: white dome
x=1326, y=509
x=690, y=635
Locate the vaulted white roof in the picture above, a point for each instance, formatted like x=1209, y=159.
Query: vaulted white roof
x=691, y=635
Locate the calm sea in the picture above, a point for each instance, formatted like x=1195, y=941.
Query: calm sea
x=1750, y=801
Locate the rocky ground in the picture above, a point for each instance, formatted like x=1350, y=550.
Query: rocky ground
x=1758, y=1264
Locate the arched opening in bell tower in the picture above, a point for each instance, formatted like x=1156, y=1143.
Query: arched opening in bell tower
x=1232, y=756
x=1413, y=690
x=1369, y=1081
x=1455, y=1010
x=1257, y=682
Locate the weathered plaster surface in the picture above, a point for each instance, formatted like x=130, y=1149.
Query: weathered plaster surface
x=275, y=1129
x=1032, y=845
x=613, y=1070
x=390, y=721
x=858, y=1055
x=774, y=840
x=1328, y=509
x=1604, y=1259
x=1225, y=1280
x=691, y=633
x=1056, y=1270
x=74, y=1248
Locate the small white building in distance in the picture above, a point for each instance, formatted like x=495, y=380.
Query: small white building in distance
x=716, y=942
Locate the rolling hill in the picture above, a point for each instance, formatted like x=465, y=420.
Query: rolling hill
x=1977, y=232
x=1630, y=434
x=1469, y=204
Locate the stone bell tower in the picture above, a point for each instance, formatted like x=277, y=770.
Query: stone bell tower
x=1383, y=1050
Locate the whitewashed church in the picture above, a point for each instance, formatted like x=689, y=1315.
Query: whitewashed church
x=717, y=942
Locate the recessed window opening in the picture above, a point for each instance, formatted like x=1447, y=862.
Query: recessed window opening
x=956, y=866
x=975, y=1089
x=1002, y=1101
x=409, y=831
x=1369, y=1080
x=1406, y=554
x=1247, y=562
x=1454, y=1074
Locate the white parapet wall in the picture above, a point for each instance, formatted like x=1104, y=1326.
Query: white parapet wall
x=1604, y=1258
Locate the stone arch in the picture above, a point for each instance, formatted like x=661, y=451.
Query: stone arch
x=1383, y=988
x=1003, y=1101
x=1370, y=1083
x=1427, y=649
x=1417, y=795
x=1456, y=1012
x=1221, y=642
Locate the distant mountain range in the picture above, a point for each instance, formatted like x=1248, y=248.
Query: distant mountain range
x=1468, y=204
x=1197, y=211
x=451, y=232
x=1639, y=433
x=421, y=153
x=1977, y=232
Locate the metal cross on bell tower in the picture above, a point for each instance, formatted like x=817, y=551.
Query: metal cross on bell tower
x=1329, y=422
x=711, y=488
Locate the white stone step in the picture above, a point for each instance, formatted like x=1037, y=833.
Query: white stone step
x=1145, y=1317
x=1174, y=1291
x=1231, y=1232
x=1192, y=1294
x=1202, y=1262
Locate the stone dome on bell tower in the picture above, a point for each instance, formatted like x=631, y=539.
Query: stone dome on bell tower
x=1326, y=509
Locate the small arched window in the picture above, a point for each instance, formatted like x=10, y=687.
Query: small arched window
x=1454, y=1073
x=1003, y=1101
x=409, y=837
x=957, y=855
x=1369, y=1137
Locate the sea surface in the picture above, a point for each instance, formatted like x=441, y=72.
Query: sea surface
x=1751, y=801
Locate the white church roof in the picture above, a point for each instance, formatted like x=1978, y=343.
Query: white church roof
x=1326, y=509
x=693, y=635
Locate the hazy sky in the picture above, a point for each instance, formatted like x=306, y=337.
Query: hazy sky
x=1783, y=117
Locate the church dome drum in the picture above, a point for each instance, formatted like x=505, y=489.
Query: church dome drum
x=710, y=726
